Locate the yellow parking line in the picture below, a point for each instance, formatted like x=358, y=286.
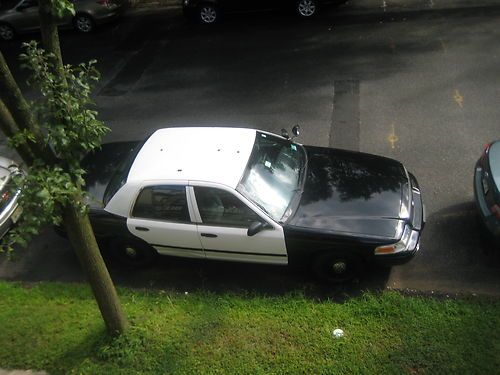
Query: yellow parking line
x=459, y=99
x=393, y=138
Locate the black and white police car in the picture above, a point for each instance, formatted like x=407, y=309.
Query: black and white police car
x=247, y=195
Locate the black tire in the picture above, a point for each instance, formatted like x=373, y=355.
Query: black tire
x=306, y=8
x=83, y=23
x=7, y=32
x=336, y=267
x=208, y=14
x=132, y=253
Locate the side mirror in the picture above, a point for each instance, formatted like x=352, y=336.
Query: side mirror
x=284, y=134
x=296, y=131
x=255, y=227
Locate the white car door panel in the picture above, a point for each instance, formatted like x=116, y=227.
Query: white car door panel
x=177, y=239
x=162, y=218
x=226, y=243
x=225, y=217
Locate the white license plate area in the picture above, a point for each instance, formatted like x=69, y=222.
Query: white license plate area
x=16, y=214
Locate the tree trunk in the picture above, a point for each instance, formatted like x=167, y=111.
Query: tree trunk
x=84, y=243
x=9, y=128
x=50, y=35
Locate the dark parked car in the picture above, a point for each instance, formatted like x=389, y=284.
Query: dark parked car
x=251, y=196
x=487, y=187
x=23, y=17
x=10, y=211
x=210, y=11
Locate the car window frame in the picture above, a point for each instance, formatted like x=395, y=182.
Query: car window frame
x=166, y=184
x=254, y=208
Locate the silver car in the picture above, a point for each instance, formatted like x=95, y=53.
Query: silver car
x=88, y=13
x=10, y=211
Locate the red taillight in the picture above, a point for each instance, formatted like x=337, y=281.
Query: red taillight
x=495, y=210
x=486, y=148
x=5, y=196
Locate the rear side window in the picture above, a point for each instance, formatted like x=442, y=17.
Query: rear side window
x=167, y=203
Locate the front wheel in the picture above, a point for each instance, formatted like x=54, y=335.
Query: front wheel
x=133, y=253
x=336, y=267
x=6, y=32
x=208, y=14
x=306, y=8
x=83, y=23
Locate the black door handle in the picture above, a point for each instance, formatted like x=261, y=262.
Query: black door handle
x=142, y=229
x=211, y=235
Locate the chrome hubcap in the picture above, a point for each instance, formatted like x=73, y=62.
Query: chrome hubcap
x=306, y=8
x=208, y=14
x=84, y=24
x=6, y=32
x=339, y=267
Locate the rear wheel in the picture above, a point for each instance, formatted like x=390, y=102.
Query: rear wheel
x=306, y=8
x=133, y=253
x=335, y=267
x=83, y=23
x=6, y=32
x=208, y=14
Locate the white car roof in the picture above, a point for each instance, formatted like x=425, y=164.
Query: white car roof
x=217, y=155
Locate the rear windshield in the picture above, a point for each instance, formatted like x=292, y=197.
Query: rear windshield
x=120, y=175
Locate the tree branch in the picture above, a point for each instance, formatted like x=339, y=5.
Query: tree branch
x=14, y=100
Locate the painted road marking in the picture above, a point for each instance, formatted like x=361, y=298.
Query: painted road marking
x=459, y=99
x=443, y=45
x=393, y=138
x=344, y=130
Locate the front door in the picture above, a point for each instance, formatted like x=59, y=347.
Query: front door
x=223, y=223
x=27, y=17
x=161, y=217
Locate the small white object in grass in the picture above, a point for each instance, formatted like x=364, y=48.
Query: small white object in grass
x=338, y=333
x=186, y=293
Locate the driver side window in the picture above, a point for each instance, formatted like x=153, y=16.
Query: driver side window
x=218, y=207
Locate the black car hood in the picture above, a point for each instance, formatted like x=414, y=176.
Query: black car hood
x=352, y=193
x=100, y=166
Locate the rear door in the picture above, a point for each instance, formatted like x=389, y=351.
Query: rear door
x=223, y=219
x=161, y=217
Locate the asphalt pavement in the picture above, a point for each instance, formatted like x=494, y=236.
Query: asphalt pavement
x=413, y=80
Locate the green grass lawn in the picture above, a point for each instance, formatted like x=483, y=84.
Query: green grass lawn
x=57, y=328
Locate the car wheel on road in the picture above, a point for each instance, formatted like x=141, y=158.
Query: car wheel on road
x=306, y=8
x=132, y=253
x=336, y=267
x=208, y=14
x=6, y=32
x=83, y=23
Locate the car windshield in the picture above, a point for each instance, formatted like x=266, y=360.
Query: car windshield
x=273, y=174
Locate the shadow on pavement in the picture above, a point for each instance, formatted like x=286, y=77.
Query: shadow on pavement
x=50, y=258
x=456, y=256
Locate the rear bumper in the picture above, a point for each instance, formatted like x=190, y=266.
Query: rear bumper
x=189, y=11
x=9, y=216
